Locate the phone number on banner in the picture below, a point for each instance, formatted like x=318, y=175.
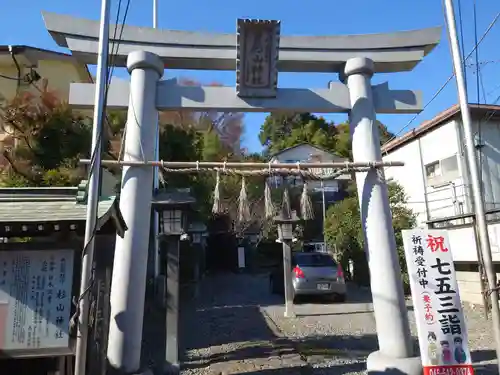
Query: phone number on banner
x=449, y=370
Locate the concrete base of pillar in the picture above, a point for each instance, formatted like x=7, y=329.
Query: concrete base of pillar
x=170, y=369
x=377, y=363
x=289, y=314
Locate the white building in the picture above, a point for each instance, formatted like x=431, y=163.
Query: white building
x=436, y=180
x=334, y=190
x=307, y=153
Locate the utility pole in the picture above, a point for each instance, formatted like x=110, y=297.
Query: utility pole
x=324, y=202
x=313, y=158
x=93, y=190
x=156, y=185
x=484, y=240
x=155, y=14
x=324, y=213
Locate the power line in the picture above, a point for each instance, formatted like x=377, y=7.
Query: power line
x=446, y=82
x=111, y=59
x=481, y=63
x=11, y=78
x=462, y=43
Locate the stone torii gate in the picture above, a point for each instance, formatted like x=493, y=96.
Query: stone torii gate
x=257, y=53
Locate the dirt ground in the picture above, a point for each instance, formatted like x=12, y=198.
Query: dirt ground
x=235, y=325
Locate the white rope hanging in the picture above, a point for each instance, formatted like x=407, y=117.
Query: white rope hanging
x=306, y=207
x=286, y=207
x=268, y=198
x=268, y=201
x=243, y=204
x=217, y=206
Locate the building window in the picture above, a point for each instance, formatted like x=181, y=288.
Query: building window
x=433, y=169
x=442, y=171
x=449, y=165
x=293, y=180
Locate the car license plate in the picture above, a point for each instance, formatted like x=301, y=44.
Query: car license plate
x=323, y=286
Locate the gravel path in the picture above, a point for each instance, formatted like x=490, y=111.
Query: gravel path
x=236, y=326
x=330, y=335
x=224, y=330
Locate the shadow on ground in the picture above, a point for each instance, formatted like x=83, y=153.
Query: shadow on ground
x=339, y=369
x=483, y=355
x=311, y=350
x=336, y=369
x=223, y=328
x=344, y=346
x=355, y=294
x=488, y=369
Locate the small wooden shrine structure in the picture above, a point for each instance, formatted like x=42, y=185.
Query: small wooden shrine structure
x=40, y=258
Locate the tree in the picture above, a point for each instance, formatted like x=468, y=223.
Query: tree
x=209, y=136
x=228, y=126
x=48, y=139
x=45, y=141
x=284, y=130
x=281, y=130
x=343, y=230
x=46, y=135
x=343, y=138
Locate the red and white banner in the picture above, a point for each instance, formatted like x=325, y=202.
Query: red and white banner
x=449, y=370
x=442, y=333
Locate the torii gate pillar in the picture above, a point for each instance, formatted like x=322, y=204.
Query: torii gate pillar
x=131, y=257
x=395, y=352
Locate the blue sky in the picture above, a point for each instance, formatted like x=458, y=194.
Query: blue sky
x=21, y=23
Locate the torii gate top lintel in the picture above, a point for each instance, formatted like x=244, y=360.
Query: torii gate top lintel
x=390, y=52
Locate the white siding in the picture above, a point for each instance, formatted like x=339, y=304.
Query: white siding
x=452, y=196
x=410, y=177
x=463, y=243
x=490, y=162
x=439, y=143
x=303, y=153
x=437, y=198
x=469, y=286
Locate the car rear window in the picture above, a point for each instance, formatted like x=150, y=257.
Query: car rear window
x=314, y=260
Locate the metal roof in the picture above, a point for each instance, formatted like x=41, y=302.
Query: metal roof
x=306, y=144
x=46, y=205
x=175, y=198
x=477, y=111
x=30, y=56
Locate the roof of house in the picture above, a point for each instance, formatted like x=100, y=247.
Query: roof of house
x=47, y=204
x=42, y=210
x=197, y=226
x=32, y=55
x=176, y=197
x=476, y=110
x=304, y=144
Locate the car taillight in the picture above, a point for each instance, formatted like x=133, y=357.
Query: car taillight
x=298, y=273
x=340, y=272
